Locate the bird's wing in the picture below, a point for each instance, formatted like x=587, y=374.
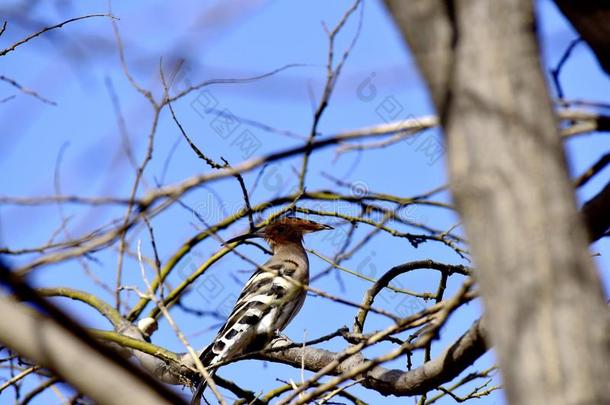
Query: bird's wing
x=268, y=301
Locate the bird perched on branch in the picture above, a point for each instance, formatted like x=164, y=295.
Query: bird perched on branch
x=271, y=297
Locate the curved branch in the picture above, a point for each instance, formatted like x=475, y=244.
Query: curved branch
x=34, y=35
x=38, y=390
x=102, y=307
x=126, y=341
x=165, y=365
x=448, y=365
x=590, y=19
x=394, y=272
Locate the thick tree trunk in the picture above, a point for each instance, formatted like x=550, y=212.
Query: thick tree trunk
x=546, y=310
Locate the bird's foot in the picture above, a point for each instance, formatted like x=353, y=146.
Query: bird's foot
x=280, y=335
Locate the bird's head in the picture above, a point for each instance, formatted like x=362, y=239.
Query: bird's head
x=283, y=230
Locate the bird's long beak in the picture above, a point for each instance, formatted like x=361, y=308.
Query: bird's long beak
x=245, y=236
x=316, y=227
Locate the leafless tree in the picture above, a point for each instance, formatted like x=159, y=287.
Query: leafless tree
x=546, y=315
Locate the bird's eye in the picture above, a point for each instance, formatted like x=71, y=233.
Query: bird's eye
x=281, y=229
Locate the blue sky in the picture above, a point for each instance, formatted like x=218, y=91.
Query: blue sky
x=77, y=65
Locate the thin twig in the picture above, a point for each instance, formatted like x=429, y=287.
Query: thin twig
x=34, y=35
x=18, y=377
x=332, y=73
x=556, y=71
x=27, y=91
x=178, y=332
x=592, y=171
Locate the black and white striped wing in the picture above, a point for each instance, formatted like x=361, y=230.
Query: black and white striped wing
x=269, y=300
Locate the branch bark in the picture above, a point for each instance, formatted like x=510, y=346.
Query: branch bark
x=50, y=345
x=449, y=364
x=53, y=340
x=547, y=314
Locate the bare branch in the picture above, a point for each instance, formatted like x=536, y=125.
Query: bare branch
x=18, y=377
x=51, y=345
x=369, y=297
x=27, y=91
x=34, y=35
x=443, y=368
x=332, y=73
x=592, y=171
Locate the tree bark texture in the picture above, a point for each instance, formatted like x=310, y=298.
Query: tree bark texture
x=547, y=314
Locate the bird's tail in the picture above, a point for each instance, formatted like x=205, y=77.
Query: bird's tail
x=203, y=384
x=206, y=358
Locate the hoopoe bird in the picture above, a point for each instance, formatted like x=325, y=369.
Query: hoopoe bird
x=270, y=299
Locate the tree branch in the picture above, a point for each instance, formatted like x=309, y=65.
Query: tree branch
x=590, y=19
x=448, y=365
x=55, y=341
